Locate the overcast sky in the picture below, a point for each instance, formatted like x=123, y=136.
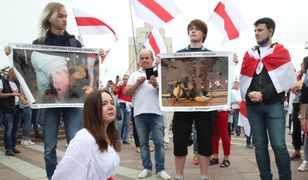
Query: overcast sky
x=19, y=24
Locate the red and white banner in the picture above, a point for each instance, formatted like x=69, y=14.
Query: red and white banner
x=228, y=20
x=155, y=42
x=88, y=24
x=277, y=62
x=243, y=119
x=155, y=12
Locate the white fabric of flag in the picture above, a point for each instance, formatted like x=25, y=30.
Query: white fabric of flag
x=228, y=20
x=155, y=42
x=155, y=12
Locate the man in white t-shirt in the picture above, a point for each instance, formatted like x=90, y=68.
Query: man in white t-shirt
x=9, y=97
x=236, y=107
x=148, y=116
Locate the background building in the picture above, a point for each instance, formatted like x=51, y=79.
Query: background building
x=141, y=35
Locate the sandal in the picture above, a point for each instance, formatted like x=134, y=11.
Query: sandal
x=225, y=163
x=214, y=161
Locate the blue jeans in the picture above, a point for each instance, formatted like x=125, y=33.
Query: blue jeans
x=269, y=120
x=124, y=123
x=37, y=119
x=72, y=123
x=10, y=122
x=146, y=123
x=26, y=116
x=235, y=122
x=1, y=119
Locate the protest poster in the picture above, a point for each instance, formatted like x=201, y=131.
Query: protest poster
x=196, y=81
x=55, y=76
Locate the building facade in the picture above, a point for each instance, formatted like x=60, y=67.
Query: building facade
x=134, y=47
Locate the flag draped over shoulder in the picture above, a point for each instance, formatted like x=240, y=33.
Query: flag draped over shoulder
x=277, y=62
x=243, y=119
x=155, y=12
x=155, y=42
x=228, y=20
x=88, y=24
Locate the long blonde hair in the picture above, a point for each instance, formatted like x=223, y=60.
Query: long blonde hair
x=48, y=15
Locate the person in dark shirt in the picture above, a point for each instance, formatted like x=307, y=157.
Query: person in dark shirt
x=303, y=116
x=53, y=32
x=9, y=98
x=263, y=85
x=182, y=121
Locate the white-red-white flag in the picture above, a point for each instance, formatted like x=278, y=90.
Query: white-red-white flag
x=155, y=12
x=228, y=20
x=243, y=119
x=88, y=24
x=278, y=64
x=155, y=42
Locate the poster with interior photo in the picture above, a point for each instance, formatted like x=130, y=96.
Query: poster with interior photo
x=196, y=81
x=53, y=76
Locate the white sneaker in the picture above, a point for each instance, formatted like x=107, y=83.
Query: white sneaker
x=144, y=174
x=163, y=175
x=26, y=142
x=31, y=142
x=303, y=167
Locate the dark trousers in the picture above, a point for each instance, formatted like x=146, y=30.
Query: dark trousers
x=135, y=130
x=296, y=134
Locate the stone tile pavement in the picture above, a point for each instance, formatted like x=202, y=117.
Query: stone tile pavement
x=30, y=163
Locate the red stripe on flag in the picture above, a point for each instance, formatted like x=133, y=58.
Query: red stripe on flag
x=279, y=57
x=157, y=10
x=228, y=24
x=249, y=65
x=153, y=44
x=104, y=56
x=243, y=109
x=89, y=21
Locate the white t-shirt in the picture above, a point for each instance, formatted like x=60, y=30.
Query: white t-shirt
x=14, y=89
x=83, y=160
x=237, y=95
x=145, y=98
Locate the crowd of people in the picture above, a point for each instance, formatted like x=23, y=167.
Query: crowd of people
x=95, y=132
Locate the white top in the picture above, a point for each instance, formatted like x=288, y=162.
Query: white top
x=83, y=160
x=237, y=95
x=13, y=88
x=145, y=98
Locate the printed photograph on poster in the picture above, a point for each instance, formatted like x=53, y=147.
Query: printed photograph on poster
x=196, y=81
x=53, y=76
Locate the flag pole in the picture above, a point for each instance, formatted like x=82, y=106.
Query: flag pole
x=134, y=37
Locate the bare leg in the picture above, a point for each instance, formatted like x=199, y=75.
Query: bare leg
x=179, y=165
x=204, y=164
